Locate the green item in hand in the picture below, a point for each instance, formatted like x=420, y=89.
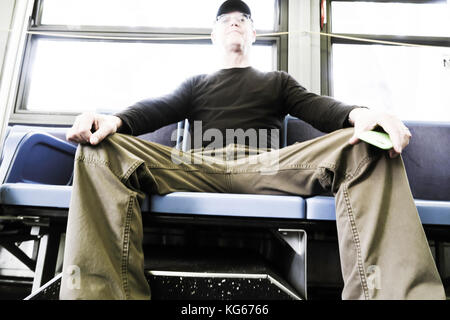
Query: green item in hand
x=378, y=139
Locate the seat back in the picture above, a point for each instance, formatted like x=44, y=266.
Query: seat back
x=298, y=131
x=426, y=158
x=40, y=158
x=168, y=135
x=186, y=143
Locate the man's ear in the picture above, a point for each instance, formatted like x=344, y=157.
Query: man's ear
x=254, y=36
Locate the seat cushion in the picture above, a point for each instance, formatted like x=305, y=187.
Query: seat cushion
x=434, y=212
x=35, y=195
x=320, y=208
x=430, y=211
x=241, y=205
x=226, y=204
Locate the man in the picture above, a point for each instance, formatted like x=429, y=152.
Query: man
x=378, y=226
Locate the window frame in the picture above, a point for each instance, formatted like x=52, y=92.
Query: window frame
x=20, y=115
x=326, y=43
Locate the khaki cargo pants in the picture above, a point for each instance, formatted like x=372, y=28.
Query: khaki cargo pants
x=379, y=231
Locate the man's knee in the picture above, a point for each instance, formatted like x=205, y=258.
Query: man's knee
x=113, y=152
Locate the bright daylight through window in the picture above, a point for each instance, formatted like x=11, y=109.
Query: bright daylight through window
x=68, y=75
x=410, y=81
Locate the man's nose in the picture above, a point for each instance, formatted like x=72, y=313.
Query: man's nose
x=235, y=22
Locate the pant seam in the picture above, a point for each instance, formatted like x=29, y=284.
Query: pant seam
x=123, y=177
x=184, y=169
x=126, y=249
x=92, y=161
x=355, y=233
x=349, y=175
x=306, y=166
x=293, y=167
x=357, y=243
x=130, y=170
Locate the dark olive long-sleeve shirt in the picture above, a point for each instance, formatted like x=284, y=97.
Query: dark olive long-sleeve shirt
x=236, y=98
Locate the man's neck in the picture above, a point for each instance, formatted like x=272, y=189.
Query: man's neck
x=235, y=60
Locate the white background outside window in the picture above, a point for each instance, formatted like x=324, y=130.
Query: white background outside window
x=76, y=75
x=412, y=83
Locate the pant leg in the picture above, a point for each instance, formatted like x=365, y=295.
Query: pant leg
x=103, y=256
x=383, y=249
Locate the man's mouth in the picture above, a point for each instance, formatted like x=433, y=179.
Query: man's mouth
x=235, y=30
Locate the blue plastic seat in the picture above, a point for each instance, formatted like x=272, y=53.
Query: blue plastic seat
x=37, y=167
x=227, y=204
x=430, y=212
x=238, y=205
x=35, y=195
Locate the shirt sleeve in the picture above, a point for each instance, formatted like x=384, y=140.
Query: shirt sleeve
x=324, y=113
x=151, y=114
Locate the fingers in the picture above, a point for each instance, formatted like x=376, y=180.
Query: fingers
x=365, y=120
x=80, y=132
x=364, y=123
x=103, y=126
x=103, y=131
x=393, y=154
x=399, y=134
x=403, y=136
x=354, y=140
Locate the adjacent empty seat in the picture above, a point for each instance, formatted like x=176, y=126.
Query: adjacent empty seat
x=430, y=212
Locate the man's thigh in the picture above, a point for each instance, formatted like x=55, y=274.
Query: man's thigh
x=163, y=169
x=299, y=169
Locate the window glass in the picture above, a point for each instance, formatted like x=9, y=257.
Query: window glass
x=145, y=13
x=74, y=76
x=431, y=19
x=410, y=82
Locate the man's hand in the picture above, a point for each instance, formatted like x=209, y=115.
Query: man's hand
x=364, y=120
x=103, y=125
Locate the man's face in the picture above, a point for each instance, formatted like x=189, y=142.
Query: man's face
x=233, y=31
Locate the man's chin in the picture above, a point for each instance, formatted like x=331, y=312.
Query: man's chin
x=235, y=47
x=235, y=43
